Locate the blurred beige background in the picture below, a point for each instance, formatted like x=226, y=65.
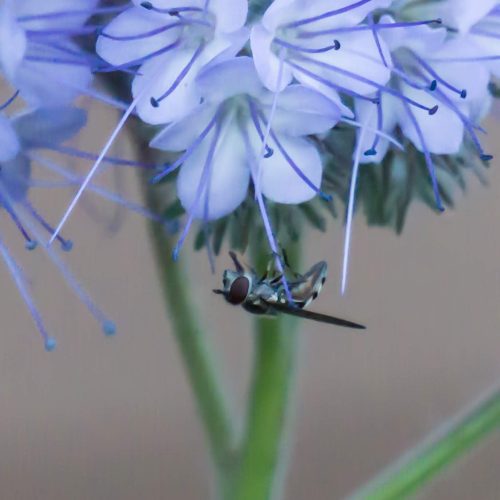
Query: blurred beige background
x=114, y=419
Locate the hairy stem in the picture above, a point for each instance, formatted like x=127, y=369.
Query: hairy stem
x=191, y=339
x=443, y=448
x=262, y=453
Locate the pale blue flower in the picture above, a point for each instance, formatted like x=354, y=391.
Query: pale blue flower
x=37, y=55
x=321, y=44
x=243, y=134
x=170, y=41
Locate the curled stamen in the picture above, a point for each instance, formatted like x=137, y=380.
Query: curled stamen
x=437, y=79
x=155, y=102
x=173, y=11
x=298, y=48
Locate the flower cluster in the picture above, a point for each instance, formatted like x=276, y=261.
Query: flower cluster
x=266, y=107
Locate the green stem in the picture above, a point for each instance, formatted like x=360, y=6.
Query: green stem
x=191, y=339
x=262, y=451
x=440, y=450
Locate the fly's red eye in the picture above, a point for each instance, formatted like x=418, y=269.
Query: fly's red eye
x=238, y=291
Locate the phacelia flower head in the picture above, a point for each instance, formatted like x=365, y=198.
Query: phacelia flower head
x=170, y=41
x=242, y=135
x=37, y=54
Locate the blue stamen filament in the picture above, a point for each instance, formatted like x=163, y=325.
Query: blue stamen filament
x=30, y=243
x=155, y=102
x=173, y=11
x=380, y=123
x=256, y=115
x=326, y=15
x=437, y=79
x=366, y=27
x=177, y=163
x=298, y=48
x=22, y=286
x=354, y=76
x=427, y=156
x=202, y=186
x=9, y=101
x=66, y=245
x=145, y=34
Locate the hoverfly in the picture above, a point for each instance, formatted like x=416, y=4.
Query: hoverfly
x=266, y=295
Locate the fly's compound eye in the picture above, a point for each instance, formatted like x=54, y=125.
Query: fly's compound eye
x=238, y=291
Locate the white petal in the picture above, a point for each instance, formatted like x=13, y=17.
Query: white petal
x=443, y=132
x=156, y=77
x=280, y=182
x=357, y=59
x=266, y=62
x=135, y=21
x=229, y=177
x=180, y=135
x=230, y=15
x=423, y=39
x=473, y=76
x=12, y=41
x=229, y=78
x=463, y=14
x=366, y=113
x=9, y=143
x=303, y=111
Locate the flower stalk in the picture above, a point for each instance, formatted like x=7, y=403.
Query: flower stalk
x=443, y=448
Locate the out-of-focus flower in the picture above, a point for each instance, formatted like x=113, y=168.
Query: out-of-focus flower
x=171, y=41
x=22, y=139
x=242, y=133
x=37, y=54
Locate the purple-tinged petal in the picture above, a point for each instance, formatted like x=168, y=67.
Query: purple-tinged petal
x=9, y=143
x=229, y=179
x=267, y=63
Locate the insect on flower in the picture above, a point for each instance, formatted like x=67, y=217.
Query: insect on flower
x=266, y=295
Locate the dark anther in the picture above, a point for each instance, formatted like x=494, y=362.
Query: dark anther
x=370, y=152
x=433, y=110
x=336, y=45
x=485, y=157
x=154, y=102
x=269, y=152
x=147, y=5
x=433, y=85
x=463, y=94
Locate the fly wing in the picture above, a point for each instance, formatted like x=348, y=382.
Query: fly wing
x=314, y=316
